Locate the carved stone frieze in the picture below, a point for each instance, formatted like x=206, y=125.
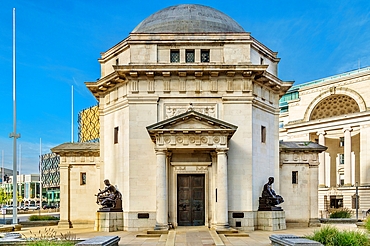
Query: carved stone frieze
x=207, y=109
x=299, y=157
x=191, y=140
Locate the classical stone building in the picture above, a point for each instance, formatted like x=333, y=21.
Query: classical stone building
x=188, y=114
x=334, y=112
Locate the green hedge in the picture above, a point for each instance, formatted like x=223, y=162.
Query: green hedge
x=42, y=217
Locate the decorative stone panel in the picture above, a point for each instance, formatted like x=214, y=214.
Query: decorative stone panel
x=171, y=110
x=334, y=105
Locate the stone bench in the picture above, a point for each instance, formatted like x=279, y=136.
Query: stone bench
x=290, y=240
x=101, y=241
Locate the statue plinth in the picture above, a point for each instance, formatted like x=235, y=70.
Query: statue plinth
x=108, y=221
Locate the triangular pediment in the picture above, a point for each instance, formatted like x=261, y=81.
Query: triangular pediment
x=192, y=120
x=191, y=130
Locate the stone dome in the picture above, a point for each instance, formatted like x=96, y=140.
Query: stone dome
x=188, y=18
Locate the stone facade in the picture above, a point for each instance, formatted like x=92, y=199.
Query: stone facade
x=299, y=164
x=188, y=125
x=334, y=112
x=79, y=174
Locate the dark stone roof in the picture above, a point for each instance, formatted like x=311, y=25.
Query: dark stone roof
x=76, y=147
x=301, y=146
x=188, y=18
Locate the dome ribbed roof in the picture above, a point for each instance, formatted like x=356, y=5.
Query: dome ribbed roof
x=188, y=18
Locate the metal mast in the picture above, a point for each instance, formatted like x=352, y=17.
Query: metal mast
x=14, y=134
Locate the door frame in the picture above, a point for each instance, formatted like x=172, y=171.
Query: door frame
x=191, y=197
x=177, y=168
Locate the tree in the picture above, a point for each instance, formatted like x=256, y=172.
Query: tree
x=4, y=197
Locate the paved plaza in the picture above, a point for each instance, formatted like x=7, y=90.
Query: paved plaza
x=184, y=236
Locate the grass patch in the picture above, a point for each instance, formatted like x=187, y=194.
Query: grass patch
x=331, y=236
x=341, y=213
x=42, y=217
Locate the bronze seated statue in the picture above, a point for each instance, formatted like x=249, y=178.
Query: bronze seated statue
x=110, y=198
x=269, y=199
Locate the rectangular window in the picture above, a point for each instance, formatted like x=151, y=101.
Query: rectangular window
x=175, y=56
x=204, y=56
x=115, y=135
x=341, y=158
x=190, y=56
x=82, y=178
x=354, y=201
x=341, y=179
x=295, y=177
x=341, y=141
x=263, y=134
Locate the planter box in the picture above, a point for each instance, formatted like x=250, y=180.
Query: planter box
x=338, y=221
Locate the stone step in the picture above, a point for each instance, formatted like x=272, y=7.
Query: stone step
x=237, y=235
x=228, y=231
x=148, y=235
x=157, y=232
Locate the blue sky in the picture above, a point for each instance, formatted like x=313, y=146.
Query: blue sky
x=59, y=42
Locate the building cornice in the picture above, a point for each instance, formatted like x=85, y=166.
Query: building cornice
x=124, y=73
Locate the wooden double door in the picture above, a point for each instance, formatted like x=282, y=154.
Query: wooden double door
x=190, y=199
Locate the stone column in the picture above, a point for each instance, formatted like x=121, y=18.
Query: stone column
x=347, y=157
x=161, y=191
x=64, y=170
x=364, y=155
x=222, y=194
x=322, y=180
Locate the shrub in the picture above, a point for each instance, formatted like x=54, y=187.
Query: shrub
x=331, y=236
x=367, y=223
x=340, y=213
x=42, y=217
x=324, y=235
x=353, y=238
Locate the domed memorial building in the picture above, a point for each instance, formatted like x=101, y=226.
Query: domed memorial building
x=189, y=113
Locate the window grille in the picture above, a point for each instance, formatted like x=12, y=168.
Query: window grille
x=175, y=56
x=190, y=56
x=204, y=55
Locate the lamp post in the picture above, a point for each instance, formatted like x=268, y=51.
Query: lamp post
x=356, y=201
